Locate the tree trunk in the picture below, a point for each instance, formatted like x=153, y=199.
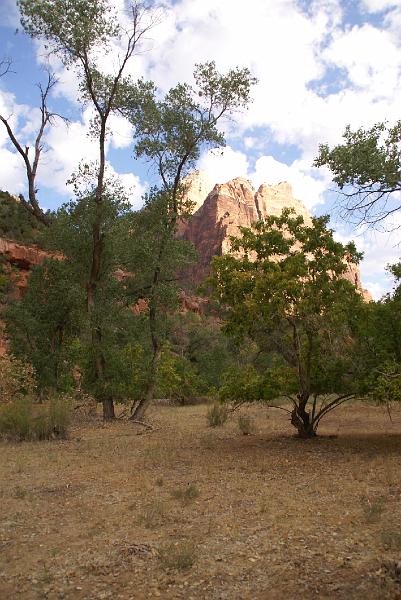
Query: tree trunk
x=143, y=404
x=108, y=409
x=301, y=420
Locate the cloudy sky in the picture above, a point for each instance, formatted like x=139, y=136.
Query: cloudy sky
x=321, y=64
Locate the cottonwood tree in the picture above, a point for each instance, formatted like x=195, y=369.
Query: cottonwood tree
x=283, y=284
x=45, y=324
x=82, y=34
x=170, y=134
x=367, y=170
x=31, y=160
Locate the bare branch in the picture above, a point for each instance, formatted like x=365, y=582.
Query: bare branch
x=5, y=66
x=47, y=118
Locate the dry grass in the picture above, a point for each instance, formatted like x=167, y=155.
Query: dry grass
x=189, y=511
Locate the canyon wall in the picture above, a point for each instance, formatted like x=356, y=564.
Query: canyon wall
x=232, y=205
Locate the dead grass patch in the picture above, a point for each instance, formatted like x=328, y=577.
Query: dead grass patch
x=109, y=514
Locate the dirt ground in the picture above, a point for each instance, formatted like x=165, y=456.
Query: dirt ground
x=189, y=511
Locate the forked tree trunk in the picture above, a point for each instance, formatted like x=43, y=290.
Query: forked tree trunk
x=301, y=420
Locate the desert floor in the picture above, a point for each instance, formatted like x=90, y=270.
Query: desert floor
x=188, y=511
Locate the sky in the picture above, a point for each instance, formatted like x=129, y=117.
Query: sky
x=320, y=64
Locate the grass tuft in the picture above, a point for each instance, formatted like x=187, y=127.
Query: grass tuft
x=217, y=415
x=153, y=515
x=178, y=556
x=391, y=540
x=24, y=420
x=186, y=494
x=246, y=425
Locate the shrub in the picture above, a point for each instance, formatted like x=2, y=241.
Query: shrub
x=217, y=415
x=153, y=515
x=177, y=556
x=16, y=379
x=25, y=420
x=246, y=424
x=187, y=493
x=391, y=540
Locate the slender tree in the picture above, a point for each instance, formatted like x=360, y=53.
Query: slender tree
x=82, y=33
x=170, y=134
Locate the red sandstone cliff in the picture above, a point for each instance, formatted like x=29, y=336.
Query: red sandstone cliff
x=232, y=205
x=219, y=213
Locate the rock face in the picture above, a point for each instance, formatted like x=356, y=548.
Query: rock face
x=23, y=257
x=228, y=207
x=198, y=185
x=236, y=204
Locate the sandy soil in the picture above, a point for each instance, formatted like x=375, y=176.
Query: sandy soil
x=187, y=511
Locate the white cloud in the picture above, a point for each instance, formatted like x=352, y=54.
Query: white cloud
x=224, y=164
x=379, y=5
x=308, y=184
x=376, y=289
x=121, y=131
x=20, y=117
x=67, y=147
x=380, y=248
x=134, y=188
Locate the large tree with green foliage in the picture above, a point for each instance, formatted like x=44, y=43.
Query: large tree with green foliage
x=284, y=286
x=81, y=34
x=378, y=349
x=170, y=134
x=367, y=169
x=44, y=325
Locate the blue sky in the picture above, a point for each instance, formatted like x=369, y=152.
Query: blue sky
x=321, y=64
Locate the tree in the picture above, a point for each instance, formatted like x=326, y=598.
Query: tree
x=44, y=325
x=81, y=33
x=47, y=118
x=15, y=222
x=170, y=134
x=367, y=170
x=378, y=349
x=284, y=286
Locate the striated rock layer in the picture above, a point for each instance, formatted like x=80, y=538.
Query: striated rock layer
x=236, y=204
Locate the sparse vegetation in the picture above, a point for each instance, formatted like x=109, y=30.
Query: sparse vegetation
x=178, y=556
x=391, y=540
x=187, y=493
x=372, y=509
x=153, y=515
x=217, y=415
x=246, y=424
x=24, y=419
x=94, y=510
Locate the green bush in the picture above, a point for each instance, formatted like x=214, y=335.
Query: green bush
x=217, y=415
x=17, y=379
x=25, y=420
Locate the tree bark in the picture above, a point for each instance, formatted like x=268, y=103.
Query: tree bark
x=108, y=409
x=143, y=404
x=301, y=420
